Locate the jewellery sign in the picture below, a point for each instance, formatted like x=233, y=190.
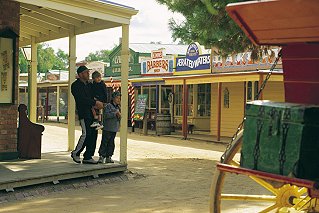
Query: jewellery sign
x=195, y=61
x=159, y=64
x=6, y=73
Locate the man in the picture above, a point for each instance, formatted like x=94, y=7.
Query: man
x=112, y=117
x=81, y=90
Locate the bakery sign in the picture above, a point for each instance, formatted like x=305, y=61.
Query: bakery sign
x=194, y=60
x=158, y=64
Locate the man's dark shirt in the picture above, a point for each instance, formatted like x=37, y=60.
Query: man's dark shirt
x=82, y=93
x=99, y=91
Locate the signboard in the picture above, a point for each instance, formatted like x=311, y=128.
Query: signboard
x=6, y=70
x=194, y=60
x=140, y=106
x=159, y=64
x=243, y=61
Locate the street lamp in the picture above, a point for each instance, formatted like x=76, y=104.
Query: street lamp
x=27, y=55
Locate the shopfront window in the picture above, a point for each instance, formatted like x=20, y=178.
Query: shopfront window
x=252, y=90
x=256, y=88
x=249, y=91
x=146, y=92
x=190, y=103
x=178, y=100
x=152, y=98
x=203, y=100
x=165, y=91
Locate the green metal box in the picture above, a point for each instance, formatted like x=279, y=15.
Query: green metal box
x=281, y=138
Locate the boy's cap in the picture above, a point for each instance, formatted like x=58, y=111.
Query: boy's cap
x=115, y=94
x=82, y=69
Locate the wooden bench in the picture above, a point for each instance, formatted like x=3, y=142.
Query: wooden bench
x=29, y=136
x=190, y=127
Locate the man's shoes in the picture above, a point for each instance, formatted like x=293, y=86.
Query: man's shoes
x=99, y=127
x=95, y=124
x=75, y=158
x=102, y=159
x=109, y=160
x=89, y=161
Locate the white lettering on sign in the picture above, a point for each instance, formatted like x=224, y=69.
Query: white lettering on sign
x=185, y=62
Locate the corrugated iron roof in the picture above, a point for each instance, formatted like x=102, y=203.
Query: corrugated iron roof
x=117, y=4
x=170, y=49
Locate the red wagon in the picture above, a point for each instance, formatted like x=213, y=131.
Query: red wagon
x=293, y=25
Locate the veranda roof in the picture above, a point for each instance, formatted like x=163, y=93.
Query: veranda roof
x=277, y=22
x=53, y=19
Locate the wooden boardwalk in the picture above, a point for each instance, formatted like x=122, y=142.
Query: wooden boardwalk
x=53, y=167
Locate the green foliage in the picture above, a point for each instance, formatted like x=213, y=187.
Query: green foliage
x=101, y=55
x=23, y=64
x=47, y=59
x=207, y=22
x=62, y=60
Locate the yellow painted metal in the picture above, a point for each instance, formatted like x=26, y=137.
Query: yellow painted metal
x=71, y=101
x=124, y=90
x=33, y=83
x=270, y=208
x=172, y=81
x=206, y=71
x=265, y=184
x=145, y=79
x=248, y=197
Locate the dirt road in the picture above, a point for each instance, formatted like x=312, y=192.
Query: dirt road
x=177, y=176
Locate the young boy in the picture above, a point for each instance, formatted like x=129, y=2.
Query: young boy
x=100, y=94
x=112, y=117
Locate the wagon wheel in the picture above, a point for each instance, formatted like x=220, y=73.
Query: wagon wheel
x=240, y=193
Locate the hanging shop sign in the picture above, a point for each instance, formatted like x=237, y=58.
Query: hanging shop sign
x=194, y=63
x=159, y=64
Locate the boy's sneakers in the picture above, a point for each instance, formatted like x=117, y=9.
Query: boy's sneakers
x=100, y=126
x=95, y=124
x=89, y=161
x=105, y=160
x=102, y=159
x=75, y=158
x=109, y=160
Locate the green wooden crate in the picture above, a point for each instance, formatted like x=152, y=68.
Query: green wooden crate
x=281, y=138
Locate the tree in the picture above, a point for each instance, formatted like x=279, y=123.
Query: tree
x=47, y=59
x=23, y=64
x=208, y=23
x=62, y=60
x=100, y=55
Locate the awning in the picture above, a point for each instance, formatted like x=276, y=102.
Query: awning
x=147, y=81
x=277, y=22
x=223, y=77
x=52, y=19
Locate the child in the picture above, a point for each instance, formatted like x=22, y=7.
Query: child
x=100, y=93
x=112, y=117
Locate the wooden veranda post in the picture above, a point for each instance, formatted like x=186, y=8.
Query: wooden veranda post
x=124, y=90
x=71, y=101
x=33, y=82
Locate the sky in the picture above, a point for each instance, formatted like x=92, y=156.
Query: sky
x=149, y=25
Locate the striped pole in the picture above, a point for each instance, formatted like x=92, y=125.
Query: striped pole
x=112, y=84
x=132, y=94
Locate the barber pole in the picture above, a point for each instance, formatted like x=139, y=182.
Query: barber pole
x=112, y=84
x=132, y=94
